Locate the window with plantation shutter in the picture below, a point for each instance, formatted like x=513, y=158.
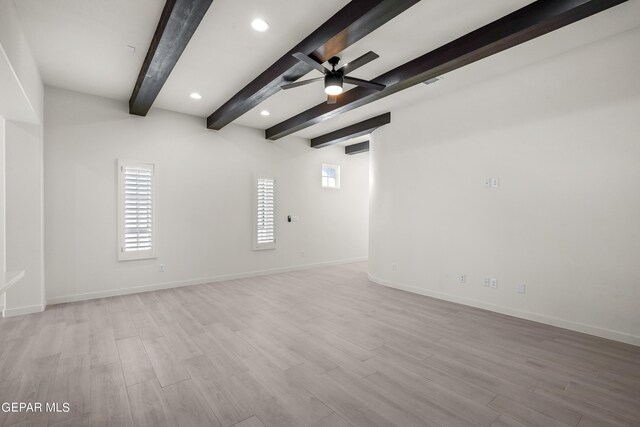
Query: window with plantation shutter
x=136, y=213
x=265, y=237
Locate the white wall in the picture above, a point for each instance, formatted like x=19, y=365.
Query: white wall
x=204, y=199
x=21, y=103
x=563, y=136
x=2, y=208
x=24, y=234
x=20, y=82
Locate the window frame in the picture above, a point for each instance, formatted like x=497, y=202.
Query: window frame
x=334, y=167
x=271, y=245
x=138, y=255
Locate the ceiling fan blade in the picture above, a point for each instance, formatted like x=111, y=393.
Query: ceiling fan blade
x=332, y=99
x=359, y=62
x=363, y=83
x=301, y=83
x=310, y=61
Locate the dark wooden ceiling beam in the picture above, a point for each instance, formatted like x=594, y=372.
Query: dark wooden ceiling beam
x=350, y=24
x=178, y=22
x=361, y=147
x=353, y=131
x=538, y=18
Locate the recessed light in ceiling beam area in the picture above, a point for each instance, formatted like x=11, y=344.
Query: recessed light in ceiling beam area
x=178, y=22
x=195, y=95
x=259, y=25
x=265, y=113
x=355, y=20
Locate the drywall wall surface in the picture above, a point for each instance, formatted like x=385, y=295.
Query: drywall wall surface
x=24, y=232
x=2, y=204
x=204, y=199
x=20, y=80
x=561, y=137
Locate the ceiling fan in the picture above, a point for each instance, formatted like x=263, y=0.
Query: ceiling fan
x=334, y=79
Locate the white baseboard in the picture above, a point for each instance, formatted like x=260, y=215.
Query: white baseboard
x=540, y=318
x=191, y=282
x=19, y=311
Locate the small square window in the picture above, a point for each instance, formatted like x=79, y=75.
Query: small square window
x=330, y=176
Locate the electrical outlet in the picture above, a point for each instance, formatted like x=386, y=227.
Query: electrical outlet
x=394, y=267
x=521, y=288
x=485, y=283
x=462, y=278
x=161, y=268
x=493, y=283
x=493, y=182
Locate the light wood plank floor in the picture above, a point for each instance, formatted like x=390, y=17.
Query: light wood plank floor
x=322, y=347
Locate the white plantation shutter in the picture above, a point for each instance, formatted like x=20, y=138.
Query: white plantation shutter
x=136, y=213
x=265, y=214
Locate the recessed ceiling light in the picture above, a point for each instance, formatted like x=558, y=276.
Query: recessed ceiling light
x=259, y=25
x=195, y=95
x=265, y=113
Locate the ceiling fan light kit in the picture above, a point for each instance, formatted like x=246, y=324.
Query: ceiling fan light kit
x=333, y=84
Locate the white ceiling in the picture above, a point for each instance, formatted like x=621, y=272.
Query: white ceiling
x=82, y=45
